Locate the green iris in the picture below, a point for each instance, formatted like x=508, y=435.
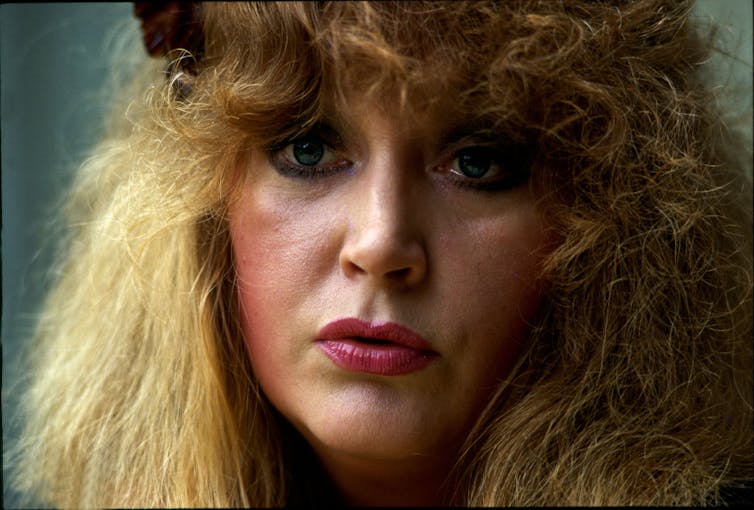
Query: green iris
x=474, y=162
x=308, y=152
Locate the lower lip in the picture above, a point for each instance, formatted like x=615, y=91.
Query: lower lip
x=388, y=359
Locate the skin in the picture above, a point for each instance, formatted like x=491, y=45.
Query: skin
x=391, y=238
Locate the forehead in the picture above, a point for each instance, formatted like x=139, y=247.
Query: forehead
x=359, y=113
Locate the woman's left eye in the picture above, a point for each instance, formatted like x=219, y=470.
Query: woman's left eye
x=485, y=168
x=475, y=163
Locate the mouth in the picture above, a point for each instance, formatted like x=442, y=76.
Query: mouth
x=384, y=348
x=372, y=341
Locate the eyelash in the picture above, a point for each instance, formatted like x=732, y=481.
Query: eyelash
x=287, y=168
x=513, y=169
x=511, y=174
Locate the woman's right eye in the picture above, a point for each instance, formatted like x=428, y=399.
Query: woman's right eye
x=307, y=152
x=308, y=156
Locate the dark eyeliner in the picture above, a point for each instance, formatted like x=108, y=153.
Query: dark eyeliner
x=515, y=162
x=282, y=165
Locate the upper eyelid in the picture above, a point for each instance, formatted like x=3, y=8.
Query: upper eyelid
x=448, y=144
x=326, y=133
x=479, y=140
x=320, y=130
x=450, y=154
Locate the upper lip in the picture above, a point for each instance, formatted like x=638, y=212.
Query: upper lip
x=387, y=331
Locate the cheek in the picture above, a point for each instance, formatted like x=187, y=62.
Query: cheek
x=495, y=277
x=279, y=261
x=281, y=242
x=498, y=258
x=516, y=255
x=250, y=257
x=263, y=272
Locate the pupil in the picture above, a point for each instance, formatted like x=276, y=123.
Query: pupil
x=473, y=163
x=308, y=152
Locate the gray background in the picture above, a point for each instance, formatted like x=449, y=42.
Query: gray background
x=54, y=63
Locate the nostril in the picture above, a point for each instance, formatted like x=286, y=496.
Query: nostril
x=352, y=268
x=399, y=274
x=383, y=256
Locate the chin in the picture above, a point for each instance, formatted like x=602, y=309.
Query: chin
x=368, y=431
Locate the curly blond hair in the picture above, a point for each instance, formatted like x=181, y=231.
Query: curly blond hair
x=637, y=387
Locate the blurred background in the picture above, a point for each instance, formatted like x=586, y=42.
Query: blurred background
x=54, y=70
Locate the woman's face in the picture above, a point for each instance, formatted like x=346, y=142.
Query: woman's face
x=386, y=274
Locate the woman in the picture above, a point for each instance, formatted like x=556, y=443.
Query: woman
x=403, y=253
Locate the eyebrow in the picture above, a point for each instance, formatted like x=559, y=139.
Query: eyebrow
x=472, y=128
x=333, y=125
x=296, y=128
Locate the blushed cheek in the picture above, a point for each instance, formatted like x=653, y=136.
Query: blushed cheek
x=258, y=309
x=250, y=228
x=277, y=251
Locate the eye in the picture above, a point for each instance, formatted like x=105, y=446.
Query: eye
x=487, y=168
x=307, y=156
x=475, y=163
x=308, y=151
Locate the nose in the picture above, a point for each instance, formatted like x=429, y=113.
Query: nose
x=384, y=242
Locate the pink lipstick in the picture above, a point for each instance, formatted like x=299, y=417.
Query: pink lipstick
x=383, y=348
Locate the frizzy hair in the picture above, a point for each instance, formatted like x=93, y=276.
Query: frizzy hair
x=637, y=386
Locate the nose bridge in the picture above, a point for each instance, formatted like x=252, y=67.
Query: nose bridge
x=385, y=238
x=386, y=204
